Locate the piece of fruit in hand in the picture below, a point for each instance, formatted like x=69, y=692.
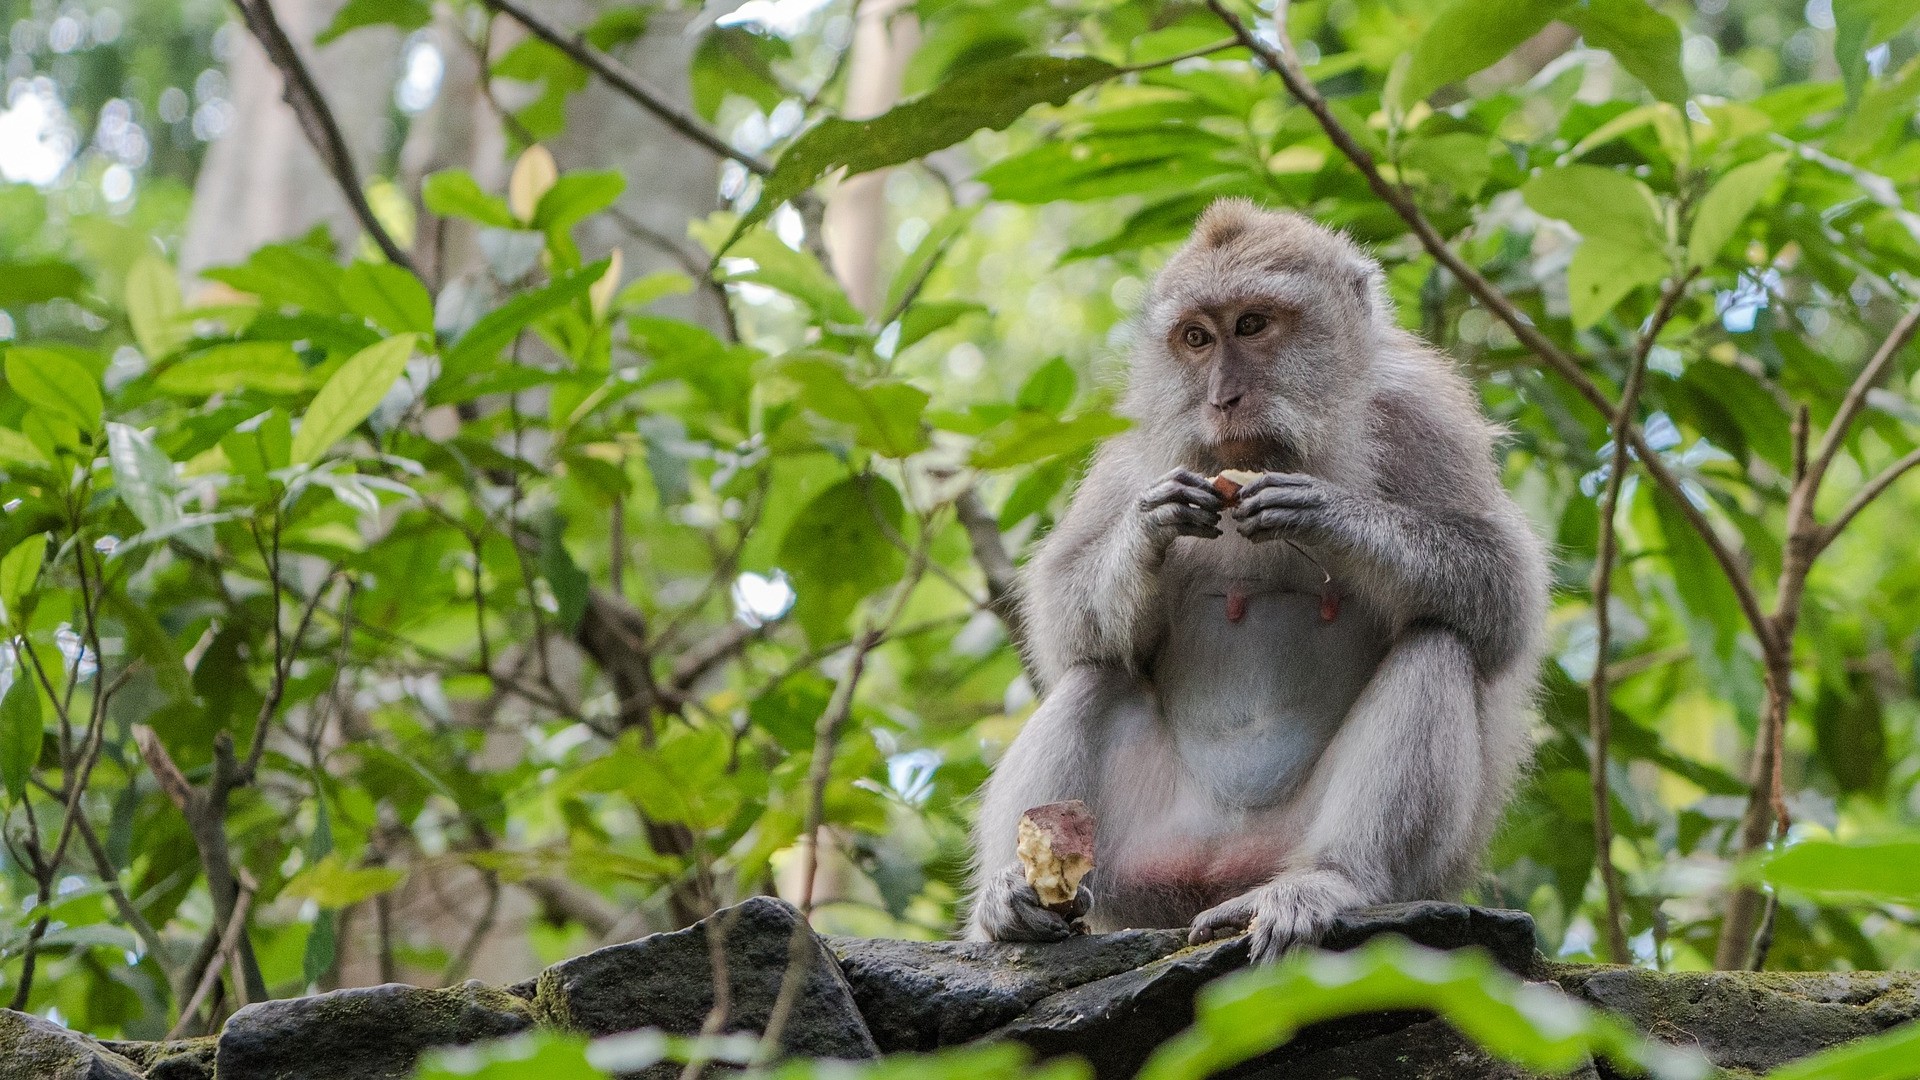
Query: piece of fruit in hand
x=1055, y=846
x=1229, y=482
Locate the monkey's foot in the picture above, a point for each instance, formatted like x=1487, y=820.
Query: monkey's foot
x=1295, y=908
x=1008, y=909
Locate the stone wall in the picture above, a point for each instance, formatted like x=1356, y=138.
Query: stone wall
x=1111, y=999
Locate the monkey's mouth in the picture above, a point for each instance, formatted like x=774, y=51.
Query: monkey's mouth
x=1259, y=453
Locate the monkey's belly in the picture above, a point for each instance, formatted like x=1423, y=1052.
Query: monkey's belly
x=1250, y=703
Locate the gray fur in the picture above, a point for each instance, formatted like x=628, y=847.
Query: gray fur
x=1273, y=769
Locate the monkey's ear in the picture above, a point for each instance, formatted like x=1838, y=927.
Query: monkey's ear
x=1362, y=282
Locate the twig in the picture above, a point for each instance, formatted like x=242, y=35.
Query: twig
x=229, y=941
x=990, y=553
x=1599, y=701
x=1873, y=490
x=317, y=121
x=1856, y=399
x=628, y=83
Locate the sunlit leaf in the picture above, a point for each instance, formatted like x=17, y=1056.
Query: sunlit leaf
x=153, y=306
x=331, y=883
x=1727, y=204
x=841, y=547
x=20, y=733
x=1835, y=871
x=55, y=382
x=1468, y=35
x=349, y=396
x=270, y=367
x=1643, y=40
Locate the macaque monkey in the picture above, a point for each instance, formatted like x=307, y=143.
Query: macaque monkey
x=1301, y=697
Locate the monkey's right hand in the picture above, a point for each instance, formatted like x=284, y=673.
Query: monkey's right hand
x=1182, y=503
x=1008, y=909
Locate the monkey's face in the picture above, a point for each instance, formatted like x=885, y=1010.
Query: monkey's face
x=1262, y=327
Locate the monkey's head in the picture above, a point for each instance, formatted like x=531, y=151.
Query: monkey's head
x=1257, y=338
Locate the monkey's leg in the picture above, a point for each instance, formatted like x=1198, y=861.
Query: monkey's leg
x=1393, y=810
x=1056, y=756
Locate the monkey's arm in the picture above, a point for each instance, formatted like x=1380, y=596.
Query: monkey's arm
x=1091, y=594
x=1472, y=566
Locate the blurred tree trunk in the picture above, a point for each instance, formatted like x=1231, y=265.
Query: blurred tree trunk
x=261, y=181
x=884, y=39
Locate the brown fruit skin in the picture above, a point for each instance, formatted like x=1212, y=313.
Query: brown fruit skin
x=1228, y=489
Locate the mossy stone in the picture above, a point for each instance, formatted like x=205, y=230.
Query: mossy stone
x=36, y=1049
x=371, y=1033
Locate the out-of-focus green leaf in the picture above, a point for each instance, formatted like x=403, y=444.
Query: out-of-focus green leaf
x=267, y=366
x=153, y=306
x=20, y=733
x=1727, y=204
x=1035, y=436
x=1468, y=35
x=1833, y=871
x=331, y=883
x=142, y=476
x=57, y=383
x=453, y=193
x=796, y=273
x=1849, y=728
x=1859, y=25
x=538, y=1055
x=349, y=396
x=401, y=14
x=23, y=283
x=736, y=60
x=840, y=547
x=497, y=328
x=389, y=297
x=577, y=196
x=1622, y=241
x=568, y=582
x=920, y=262
x=1644, y=41
x=19, y=569
x=1541, y=1029
x=1050, y=388
x=260, y=448
x=885, y=415
x=989, y=95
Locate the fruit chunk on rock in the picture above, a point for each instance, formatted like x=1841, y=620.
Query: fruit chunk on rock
x=1230, y=481
x=1055, y=846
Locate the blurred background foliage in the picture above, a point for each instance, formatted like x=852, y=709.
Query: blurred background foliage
x=551, y=583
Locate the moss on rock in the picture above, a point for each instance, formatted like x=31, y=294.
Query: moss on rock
x=36, y=1049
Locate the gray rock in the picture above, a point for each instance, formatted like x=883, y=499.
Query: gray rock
x=36, y=1049
x=373, y=1033
x=1427, y=1050
x=666, y=981
x=918, y=995
x=1754, y=1021
x=1118, y=1021
x=176, y=1059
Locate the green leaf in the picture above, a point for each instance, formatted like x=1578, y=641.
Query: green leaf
x=19, y=569
x=1886, y=870
x=1601, y=275
x=260, y=448
x=270, y=367
x=837, y=550
x=1859, y=25
x=389, y=297
x=988, y=95
x=920, y=262
x=930, y=317
x=1034, y=436
x=453, y=193
x=1534, y=1026
x=1622, y=243
x=331, y=883
x=349, y=396
x=569, y=583
x=576, y=197
x=1644, y=41
x=885, y=415
x=1468, y=35
x=17, y=449
x=57, y=383
x=402, y=14
x=497, y=328
x=1050, y=389
x=734, y=59
x=20, y=733
x=796, y=273
x=23, y=283
x=153, y=306
x=142, y=476
x=1727, y=204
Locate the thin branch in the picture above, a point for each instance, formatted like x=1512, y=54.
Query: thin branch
x=1856, y=398
x=317, y=121
x=1497, y=302
x=990, y=553
x=229, y=942
x=1599, y=699
x=628, y=83
x=1873, y=490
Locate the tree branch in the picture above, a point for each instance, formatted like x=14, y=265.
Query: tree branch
x=1856, y=400
x=316, y=120
x=1873, y=490
x=990, y=553
x=628, y=83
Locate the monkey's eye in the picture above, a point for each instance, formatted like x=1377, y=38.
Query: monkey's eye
x=1250, y=324
x=1197, y=338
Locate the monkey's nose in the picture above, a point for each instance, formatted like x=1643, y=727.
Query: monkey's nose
x=1226, y=404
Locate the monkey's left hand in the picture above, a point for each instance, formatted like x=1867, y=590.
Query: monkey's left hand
x=1290, y=504
x=1293, y=909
